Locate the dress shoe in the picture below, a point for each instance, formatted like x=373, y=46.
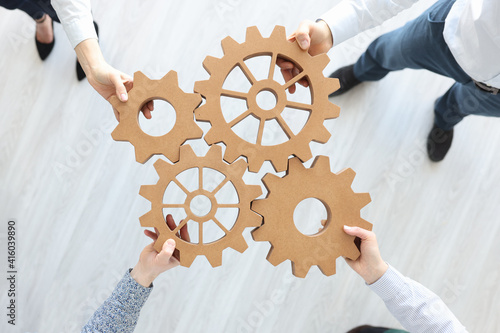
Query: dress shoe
x=438, y=143
x=368, y=329
x=80, y=74
x=346, y=78
x=43, y=48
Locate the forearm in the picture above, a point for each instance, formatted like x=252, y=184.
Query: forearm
x=76, y=19
x=120, y=312
x=351, y=17
x=89, y=55
x=417, y=308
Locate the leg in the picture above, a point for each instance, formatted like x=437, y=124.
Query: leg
x=419, y=45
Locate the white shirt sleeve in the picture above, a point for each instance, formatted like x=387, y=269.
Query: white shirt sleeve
x=417, y=308
x=76, y=19
x=351, y=17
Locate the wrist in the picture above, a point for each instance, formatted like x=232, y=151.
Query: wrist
x=376, y=273
x=325, y=30
x=142, y=277
x=89, y=55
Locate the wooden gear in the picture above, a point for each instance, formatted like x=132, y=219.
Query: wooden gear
x=275, y=46
x=343, y=208
x=233, y=238
x=145, y=90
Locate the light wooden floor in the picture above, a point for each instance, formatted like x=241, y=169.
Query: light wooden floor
x=74, y=191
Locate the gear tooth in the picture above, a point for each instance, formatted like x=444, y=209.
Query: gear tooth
x=186, y=152
x=171, y=77
x=215, y=153
x=115, y=102
x=186, y=258
x=254, y=220
x=239, y=244
x=331, y=85
x=215, y=259
x=147, y=220
x=275, y=257
x=363, y=199
x=300, y=270
x=140, y=78
x=161, y=165
x=294, y=165
x=348, y=175
x=253, y=34
x=202, y=87
x=238, y=168
x=254, y=191
x=255, y=163
x=210, y=64
x=322, y=164
x=194, y=100
x=231, y=154
x=328, y=268
x=119, y=133
x=280, y=164
x=142, y=156
x=258, y=206
x=332, y=111
x=305, y=154
x=351, y=251
x=322, y=60
x=278, y=32
x=364, y=224
x=322, y=135
x=271, y=181
x=228, y=43
x=148, y=192
x=202, y=113
x=258, y=234
x=212, y=138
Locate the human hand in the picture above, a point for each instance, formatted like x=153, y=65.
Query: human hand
x=314, y=37
x=151, y=263
x=105, y=79
x=369, y=265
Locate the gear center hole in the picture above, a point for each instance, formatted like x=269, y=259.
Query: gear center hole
x=266, y=100
x=309, y=215
x=200, y=205
x=162, y=119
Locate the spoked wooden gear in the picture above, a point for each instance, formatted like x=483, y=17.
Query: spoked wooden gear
x=233, y=173
x=342, y=205
x=145, y=90
x=276, y=46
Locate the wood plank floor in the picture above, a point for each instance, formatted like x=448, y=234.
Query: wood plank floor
x=74, y=191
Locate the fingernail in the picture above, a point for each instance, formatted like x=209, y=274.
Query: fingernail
x=171, y=243
x=347, y=227
x=304, y=44
x=123, y=97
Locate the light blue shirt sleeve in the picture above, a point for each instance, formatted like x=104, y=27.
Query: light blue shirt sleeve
x=120, y=312
x=417, y=308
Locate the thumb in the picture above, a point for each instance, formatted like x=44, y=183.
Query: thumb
x=167, y=250
x=302, y=35
x=121, y=91
x=358, y=232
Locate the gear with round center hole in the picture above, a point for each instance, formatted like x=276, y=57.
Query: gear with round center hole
x=343, y=208
x=145, y=90
x=277, y=47
x=233, y=173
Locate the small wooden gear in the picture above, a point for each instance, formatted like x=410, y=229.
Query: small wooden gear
x=233, y=173
x=145, y=90
x=275, y=46
x=342, y=205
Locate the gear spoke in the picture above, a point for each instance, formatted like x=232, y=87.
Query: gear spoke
x=260, y=134
x=182, y=187
x=200, y=178
x=299, y=106
x=174, y=206
x=229, y=205
x=239, y=118
x=200, y=233
x=183, y=223
x=294, y=80
x=285, y=127
x=247, y=72
x=234, y=94
x=220, y=225
x=272, y=66
x=222, y=183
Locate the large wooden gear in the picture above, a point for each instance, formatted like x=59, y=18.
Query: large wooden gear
x=342, y=205
x=275, y=46
x=145, y=90
x=233, y=238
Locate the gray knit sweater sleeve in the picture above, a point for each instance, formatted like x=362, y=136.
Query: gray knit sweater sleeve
x=120, y=312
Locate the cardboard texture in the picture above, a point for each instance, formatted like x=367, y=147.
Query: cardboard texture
x=145, y=90
x=342, y=205
x=233, y=238
x=275, y=46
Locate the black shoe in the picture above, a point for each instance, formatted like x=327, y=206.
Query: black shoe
x=80, y=74
x=368, y=329
x=346, y=78
x=45, y=49
x=438, y=143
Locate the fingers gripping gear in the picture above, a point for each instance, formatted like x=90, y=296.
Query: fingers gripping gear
x=275, y=46
x=233, y=173
x=145, y=90
x=343, y=208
